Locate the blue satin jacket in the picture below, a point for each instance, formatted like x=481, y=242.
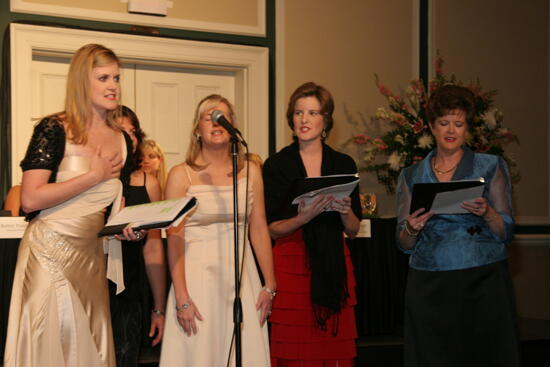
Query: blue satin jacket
x=459, y=241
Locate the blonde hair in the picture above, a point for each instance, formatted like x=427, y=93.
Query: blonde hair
x=150, y=144
x=78, y=100
x=195, y=142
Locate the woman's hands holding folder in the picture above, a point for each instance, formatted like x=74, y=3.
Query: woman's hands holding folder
x=342, y=206
x=414, y=224
x=478, y=206
x=416, y=221
x=128, y=234
x=321, y=204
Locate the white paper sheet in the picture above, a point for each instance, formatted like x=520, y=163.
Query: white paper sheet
x=449, y=202
x=337, y=191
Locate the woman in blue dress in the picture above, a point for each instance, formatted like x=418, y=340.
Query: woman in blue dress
x=459, y=302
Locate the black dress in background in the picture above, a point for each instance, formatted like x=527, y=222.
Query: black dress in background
x=130, y=309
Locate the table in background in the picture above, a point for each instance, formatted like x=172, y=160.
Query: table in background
x=381, y=273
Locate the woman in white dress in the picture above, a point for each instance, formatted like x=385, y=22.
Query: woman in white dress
x=199, y=315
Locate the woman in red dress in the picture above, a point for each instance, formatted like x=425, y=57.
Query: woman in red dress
x=312, y=321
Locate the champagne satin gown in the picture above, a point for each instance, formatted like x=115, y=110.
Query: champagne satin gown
x=59, y=311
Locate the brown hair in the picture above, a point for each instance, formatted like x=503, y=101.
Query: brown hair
x=449, y=98
x=324, y=97
x=138, y=132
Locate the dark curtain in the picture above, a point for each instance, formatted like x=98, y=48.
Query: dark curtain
x=5, y=118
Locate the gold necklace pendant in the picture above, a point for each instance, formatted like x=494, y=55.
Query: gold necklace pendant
x=440, y=172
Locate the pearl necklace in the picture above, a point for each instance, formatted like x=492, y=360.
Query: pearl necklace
x=440, y=172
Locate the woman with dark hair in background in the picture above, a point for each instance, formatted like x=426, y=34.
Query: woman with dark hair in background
x=59, y=311
x=131, y=310
x=313, y=322
x=459, y=302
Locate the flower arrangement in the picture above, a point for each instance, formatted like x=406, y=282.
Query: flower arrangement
x=409, y=139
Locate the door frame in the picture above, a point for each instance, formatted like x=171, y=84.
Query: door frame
x=250, y=64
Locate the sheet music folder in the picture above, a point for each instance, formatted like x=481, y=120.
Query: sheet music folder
x=445, y=197
x=158, y=214
x=309, y=188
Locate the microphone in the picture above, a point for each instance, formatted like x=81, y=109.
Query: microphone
x=219, y=118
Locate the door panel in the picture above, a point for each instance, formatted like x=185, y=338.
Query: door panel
x=163, y=98
x=166, y=99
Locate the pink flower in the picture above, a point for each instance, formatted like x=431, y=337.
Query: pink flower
x=418, y=126
x=384, y=90
x=379, y=143
x=399, y=119
x=361, y=139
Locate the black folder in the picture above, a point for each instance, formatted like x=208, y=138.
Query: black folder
x=423, y=194
x=111, y=230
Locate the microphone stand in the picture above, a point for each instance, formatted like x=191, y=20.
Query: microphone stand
x=237, y=306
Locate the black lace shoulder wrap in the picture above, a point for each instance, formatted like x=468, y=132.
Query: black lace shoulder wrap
x=45, y=150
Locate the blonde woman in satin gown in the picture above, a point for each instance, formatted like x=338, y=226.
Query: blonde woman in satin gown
x=199, y=314
x=59, y=311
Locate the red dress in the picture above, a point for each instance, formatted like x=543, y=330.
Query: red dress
x=295, y=339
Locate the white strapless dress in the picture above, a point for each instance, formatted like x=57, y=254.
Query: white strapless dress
x=209, y=255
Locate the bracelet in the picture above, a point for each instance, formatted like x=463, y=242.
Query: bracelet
x=271, y=292
x=411, y=233
x=184, y=306
x=158, y=312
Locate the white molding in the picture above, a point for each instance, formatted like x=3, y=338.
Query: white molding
x=249, y=63
x=280, y=100
x=22, y=6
